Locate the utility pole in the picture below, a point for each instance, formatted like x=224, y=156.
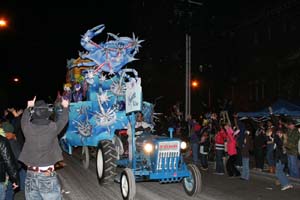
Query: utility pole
x=188, y=56
x=187, y=75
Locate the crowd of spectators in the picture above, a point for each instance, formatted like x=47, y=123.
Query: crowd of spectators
x=235, y=145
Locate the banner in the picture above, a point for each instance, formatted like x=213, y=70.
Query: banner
x=133, y=95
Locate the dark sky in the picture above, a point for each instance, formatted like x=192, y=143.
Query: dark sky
x=44, y=34
x=40, y=38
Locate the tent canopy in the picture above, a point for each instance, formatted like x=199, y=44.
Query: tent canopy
x=280, y=107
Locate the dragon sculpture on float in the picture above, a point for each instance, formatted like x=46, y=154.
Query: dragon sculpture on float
x=104, y=84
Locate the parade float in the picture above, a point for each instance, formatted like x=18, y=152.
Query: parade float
x=104, y=96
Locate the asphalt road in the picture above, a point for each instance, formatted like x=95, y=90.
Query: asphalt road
x=82, y=184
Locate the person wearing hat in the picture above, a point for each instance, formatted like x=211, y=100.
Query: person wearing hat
x=291, y=146
x=41, y=149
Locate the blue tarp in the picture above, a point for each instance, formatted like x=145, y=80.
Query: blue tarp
x=280, y=107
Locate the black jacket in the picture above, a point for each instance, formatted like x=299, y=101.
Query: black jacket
x=8, y=164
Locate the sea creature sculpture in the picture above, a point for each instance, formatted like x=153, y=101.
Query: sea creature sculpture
x=112, y=55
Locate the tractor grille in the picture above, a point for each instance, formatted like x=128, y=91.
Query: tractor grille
x=168, y=155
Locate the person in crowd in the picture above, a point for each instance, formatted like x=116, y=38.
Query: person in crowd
x=77, y=93
x=259, y=147
x=232, y=152
x=247, y=146
x=67, y=93
x=220, y=139
x=270, y=149
x=8, y=165
x=141, y=127
x=291, y=146
x=214, y=124
x=281, y=159
x=17, y=114
x=41, y=149
x=239, y=124
x=204, y=150
x=195, y=140
x=8, y=130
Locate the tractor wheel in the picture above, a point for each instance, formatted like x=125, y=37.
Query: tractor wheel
x=106, y=162
x=193, y=184
x=85, y=157
x=127, y=184
x=119, y=146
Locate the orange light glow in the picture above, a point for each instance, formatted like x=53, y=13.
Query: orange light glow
x=195, y=84
x=3, y=23
x=16, y=80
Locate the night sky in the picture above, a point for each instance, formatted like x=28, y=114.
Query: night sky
x=41, y=37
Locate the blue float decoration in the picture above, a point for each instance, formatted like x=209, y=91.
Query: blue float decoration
x=98, y=109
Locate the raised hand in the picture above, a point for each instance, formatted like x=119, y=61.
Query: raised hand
x=30, y=103
x=14, y=186
x=65, y=103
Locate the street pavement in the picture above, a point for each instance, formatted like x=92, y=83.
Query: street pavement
x=81, y=184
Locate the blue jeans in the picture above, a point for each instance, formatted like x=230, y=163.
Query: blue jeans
x=195, y=153
x=293, y=166
x=22, y=175
x=39, y=186
x=2, y=191
x=9, y=194
x=246, y=172
x=9, y=191
x=204, y=162
x=219, y=161
x=284, y=181
x=270, y=155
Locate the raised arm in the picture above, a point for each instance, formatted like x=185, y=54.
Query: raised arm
x=25, y=120
x=63, y=120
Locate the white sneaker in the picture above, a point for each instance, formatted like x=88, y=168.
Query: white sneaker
x=218, y=173
x=286, y=187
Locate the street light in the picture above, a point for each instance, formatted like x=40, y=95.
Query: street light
x=15, y=80
x=3, y=23
x=195, y=84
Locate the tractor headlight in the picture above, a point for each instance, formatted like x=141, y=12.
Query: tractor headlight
x=148, y=147
x=183, y=145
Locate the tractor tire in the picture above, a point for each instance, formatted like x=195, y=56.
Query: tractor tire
x=85, y=157
x=193, y=184
x=119, y=146
x=127, y=184
x=106, y=162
